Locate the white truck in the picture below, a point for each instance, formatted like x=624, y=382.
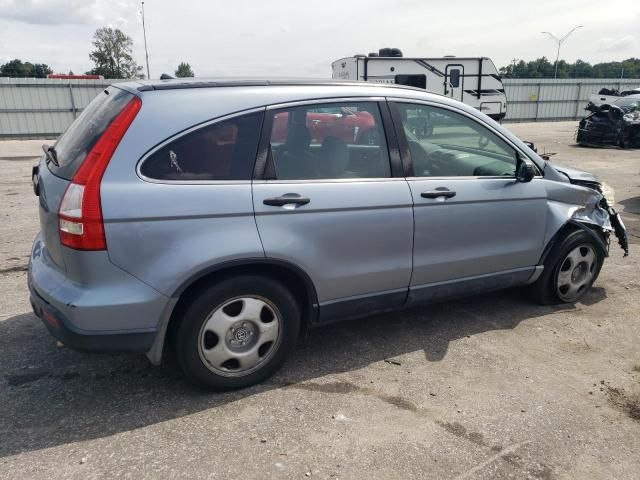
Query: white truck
x=474, y=81
x=608, y=96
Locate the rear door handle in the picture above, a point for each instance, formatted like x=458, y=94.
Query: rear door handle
x=438, y=193
x=286, y=199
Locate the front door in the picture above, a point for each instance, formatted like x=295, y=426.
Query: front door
x=329, y=203
x=476, y=226
x=454, y=81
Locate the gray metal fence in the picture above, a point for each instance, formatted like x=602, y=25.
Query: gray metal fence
x=43, y=108
x=546, y=100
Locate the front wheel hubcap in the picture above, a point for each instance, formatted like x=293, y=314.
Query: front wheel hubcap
x=239, y=336
x=576, y=272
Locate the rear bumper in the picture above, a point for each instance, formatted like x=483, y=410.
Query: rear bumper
x=59, y=326
x=113, y=312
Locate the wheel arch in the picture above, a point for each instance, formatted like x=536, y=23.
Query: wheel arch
x=569, y=227
x=290, y=275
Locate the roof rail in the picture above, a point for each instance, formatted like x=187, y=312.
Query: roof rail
x=181, y=84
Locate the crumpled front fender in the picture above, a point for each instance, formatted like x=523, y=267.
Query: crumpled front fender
x=584, y=208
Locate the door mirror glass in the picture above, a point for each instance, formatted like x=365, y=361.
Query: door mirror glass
x=526, y=171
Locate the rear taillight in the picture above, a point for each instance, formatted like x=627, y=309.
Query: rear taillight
x=80, y=213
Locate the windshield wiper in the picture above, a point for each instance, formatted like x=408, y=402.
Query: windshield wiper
x=51, y=154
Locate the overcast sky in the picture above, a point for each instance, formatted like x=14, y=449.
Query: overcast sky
x=302, y=38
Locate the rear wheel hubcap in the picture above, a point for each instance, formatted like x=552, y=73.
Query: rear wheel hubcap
x=239, y=336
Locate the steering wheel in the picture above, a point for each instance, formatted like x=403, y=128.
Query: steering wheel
x=440, y=161
x=430, y=164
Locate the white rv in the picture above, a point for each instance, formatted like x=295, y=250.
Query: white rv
x=474, y=81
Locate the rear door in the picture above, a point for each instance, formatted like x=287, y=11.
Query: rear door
x=339, y=209
x=476, y=227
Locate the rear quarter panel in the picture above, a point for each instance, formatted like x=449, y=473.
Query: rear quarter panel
x=165, y=233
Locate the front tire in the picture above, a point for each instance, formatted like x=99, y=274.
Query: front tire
x=237, y=333
x=570, y=270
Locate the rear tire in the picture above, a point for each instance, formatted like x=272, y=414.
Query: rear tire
x=570, y=269
x=237, y=333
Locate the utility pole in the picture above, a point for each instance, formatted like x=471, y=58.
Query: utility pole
x=560, y=41
x=146, y=52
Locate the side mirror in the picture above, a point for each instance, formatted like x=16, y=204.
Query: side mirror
x=525, y=171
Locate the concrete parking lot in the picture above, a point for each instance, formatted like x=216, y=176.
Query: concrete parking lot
x=487, y=387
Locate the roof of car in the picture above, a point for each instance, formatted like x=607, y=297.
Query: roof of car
x=182, y=83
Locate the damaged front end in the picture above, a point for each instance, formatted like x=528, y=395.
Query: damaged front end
x=598, y=211
x=616, y=124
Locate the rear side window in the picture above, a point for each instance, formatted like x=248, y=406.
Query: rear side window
x=74, y=144
x=222, y=151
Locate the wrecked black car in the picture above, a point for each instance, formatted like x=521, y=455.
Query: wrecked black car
x=616, y=123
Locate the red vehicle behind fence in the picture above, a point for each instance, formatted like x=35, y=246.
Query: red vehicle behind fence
x=350, y=126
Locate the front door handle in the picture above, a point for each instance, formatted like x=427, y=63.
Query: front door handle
x=438, y=192
x=286, y=199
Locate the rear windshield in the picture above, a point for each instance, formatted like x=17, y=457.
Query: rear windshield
x=74, y=144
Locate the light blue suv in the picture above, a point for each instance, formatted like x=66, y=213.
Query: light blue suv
x=223, y=218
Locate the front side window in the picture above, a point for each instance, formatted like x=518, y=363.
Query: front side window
x=221, y=151
x=444, y=143
x=328, y=141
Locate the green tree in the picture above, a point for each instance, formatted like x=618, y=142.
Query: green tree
x=542, y=68
x=113, y=54
x=582, y=69
x=184, y=70
x=16, y=68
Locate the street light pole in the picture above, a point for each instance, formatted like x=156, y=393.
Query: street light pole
x=146, y=52
x=560, y=41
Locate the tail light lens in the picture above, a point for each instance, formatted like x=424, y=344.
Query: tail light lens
x=80, y=215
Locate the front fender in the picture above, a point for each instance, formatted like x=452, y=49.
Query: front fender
x=571, y=207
